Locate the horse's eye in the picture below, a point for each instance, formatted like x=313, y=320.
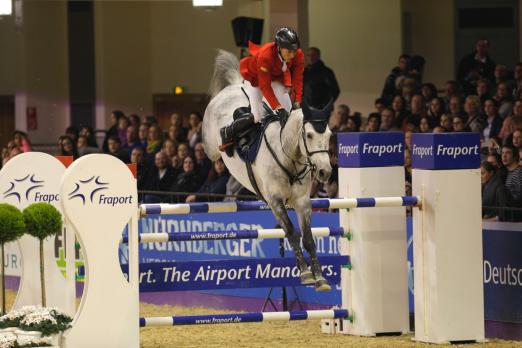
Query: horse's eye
x=309, y=136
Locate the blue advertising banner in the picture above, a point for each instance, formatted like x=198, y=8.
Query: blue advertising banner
x=503, y=272
x=446, y=151
x=371, y=149
x=230, y=274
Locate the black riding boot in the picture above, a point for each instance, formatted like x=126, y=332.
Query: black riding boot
x=230, y=133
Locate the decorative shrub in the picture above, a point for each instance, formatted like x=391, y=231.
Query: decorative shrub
x=12, y=224
x=42, y=220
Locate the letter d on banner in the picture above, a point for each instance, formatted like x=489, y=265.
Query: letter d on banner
x=99, y=224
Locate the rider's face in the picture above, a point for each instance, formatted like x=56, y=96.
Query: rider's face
x=287, y=54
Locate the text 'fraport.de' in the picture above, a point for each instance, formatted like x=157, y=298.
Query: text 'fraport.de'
x=367, y=148
x=443, y=150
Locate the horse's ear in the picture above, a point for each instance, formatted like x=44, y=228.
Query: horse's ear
x=307, y=113
x=328, y=108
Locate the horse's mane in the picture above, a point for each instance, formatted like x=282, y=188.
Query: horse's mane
x=226, y=72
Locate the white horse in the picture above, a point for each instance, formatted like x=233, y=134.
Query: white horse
x=284, y=178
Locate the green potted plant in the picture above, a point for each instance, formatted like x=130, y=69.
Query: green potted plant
x=12, y=227
x=42, y=220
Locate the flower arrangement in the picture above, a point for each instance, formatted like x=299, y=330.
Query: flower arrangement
x=23, y=342
x=48, y=321
x=13, y=318
x=7, y=341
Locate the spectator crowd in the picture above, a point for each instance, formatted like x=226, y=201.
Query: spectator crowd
x=485, y=97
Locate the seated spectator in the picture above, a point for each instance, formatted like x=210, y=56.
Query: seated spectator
x=455, y=107
x=407, y=164
x=387, y=121
x=338, y=118
x=216, y=183
x=73, y=133
x=379, y=104
x=187, y=180
x=483, y=90
x=135, y=121
x=176, y=131
x=115, y=149
x=203, y=164
x=9, y=152
x=123, y=124
x=505, y=104
x=22, y=141
x=154, y=139
x=132, y=139
x=451, y=89
x=436, y=109
x=513, y=180
x=407, y=140
x=475, y=121
x=516, y=113
x=445, y=122
x=138, y=157
x=169, y=148
x=194, y=133
x=493, y=192
x=428, y=92
x=113, y=128
x=353, y=123
x=399, y=110
x=373, y=124
x=143, y=133
x=159, y=178
x=426, y=124
x=68, y=147
x=88, y=133
x=517, y=139
x=418, y=111
x=234, y=188
x=439, y=129
x=459, y=124
x=493, y=121
x=495, y=160
x=182, y=151
x=517, y=80
x=84, y=148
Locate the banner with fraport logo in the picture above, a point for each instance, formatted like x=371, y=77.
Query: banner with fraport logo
x=370, y=149
x=446, y=151
x=243, y=250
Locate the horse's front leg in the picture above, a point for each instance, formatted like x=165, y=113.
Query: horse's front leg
x=281, y=215
x=303, y=210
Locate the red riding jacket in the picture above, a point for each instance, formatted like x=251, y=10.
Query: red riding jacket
x=265, y=66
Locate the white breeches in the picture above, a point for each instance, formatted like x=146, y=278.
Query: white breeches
x=257, y=99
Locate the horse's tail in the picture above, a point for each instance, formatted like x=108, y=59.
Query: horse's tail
x=226, y=72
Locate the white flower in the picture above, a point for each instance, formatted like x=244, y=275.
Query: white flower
x=7, y=341
x=38, y=317
x=31, y=340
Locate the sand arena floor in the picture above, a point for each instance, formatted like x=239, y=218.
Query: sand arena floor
x=299, y=334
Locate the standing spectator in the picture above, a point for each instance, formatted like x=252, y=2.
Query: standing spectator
x=391, y=84
x=320, y=84
x=475, y=121
x=517, y=139
x=194, y=133
x=493, y=192
x=22, y=141
x=216, y=183
x=115, y=149
x=159, y=178
x=495, y=160
x=113, y=128
x=514, y=175
x=475, y=66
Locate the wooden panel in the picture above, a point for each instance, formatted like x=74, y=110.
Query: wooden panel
x=166, y=104
x=7, y=118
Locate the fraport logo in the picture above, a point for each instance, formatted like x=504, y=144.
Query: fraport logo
x=23, y=187
x=92, y=189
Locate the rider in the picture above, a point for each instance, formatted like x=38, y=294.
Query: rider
x=281, y=61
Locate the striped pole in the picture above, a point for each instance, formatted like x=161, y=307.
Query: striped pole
x=263, y=233
x=243, y=318
x=320, y=203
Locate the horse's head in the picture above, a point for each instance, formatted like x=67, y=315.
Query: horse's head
x=315, y=139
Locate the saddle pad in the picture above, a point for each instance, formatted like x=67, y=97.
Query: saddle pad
x=249, y=152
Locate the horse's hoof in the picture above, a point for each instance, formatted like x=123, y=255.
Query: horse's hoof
x=307, y=277
x=321, y=284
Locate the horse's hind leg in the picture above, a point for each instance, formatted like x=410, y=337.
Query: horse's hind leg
x=291, y=234
x=304, y=212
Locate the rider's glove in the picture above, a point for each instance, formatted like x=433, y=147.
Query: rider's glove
x=296, y=106
x=283, y=116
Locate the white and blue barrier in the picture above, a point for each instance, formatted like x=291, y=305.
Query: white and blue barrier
x=255, y=317
x=262, y=233
x=319, y=203
x=374, y=292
